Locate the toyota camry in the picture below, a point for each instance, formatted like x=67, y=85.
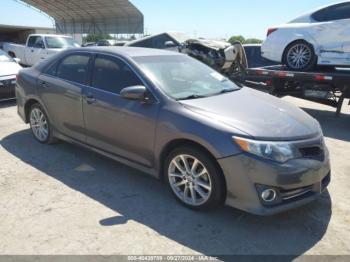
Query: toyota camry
x=167, y=114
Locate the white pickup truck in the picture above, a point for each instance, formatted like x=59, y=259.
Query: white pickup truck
x=39, y=47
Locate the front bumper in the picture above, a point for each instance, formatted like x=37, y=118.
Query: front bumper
x=297, y=182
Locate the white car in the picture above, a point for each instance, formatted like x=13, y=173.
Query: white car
x=321, y=37
x=9, y=68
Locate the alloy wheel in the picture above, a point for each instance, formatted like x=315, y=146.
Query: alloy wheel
x=299, y=56
x=190, y=180
x=39, y=125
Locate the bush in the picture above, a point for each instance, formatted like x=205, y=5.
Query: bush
x=96, y=37
x=244, y=41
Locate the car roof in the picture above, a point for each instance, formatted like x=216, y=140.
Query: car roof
x=126, y=52
x=129, y=51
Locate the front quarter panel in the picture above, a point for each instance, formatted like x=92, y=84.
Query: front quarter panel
x=178, y=123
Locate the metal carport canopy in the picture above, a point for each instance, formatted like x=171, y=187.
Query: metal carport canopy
x=92, y=16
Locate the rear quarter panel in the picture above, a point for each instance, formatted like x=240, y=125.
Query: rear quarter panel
x=276, y=43
x=26, y=89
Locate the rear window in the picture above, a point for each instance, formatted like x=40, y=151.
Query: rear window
x=74, y=68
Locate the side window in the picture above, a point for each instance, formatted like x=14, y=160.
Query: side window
x=339, y=12
x=145, y=43
x=31, y=41
x=39, y=43
x=336, y=12
x=159, y=41
x=74, y=68
x=51, y=70
x=112, y=75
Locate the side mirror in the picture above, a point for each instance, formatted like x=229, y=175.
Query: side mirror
x=134, y=93
x=170, y=44
x=17, y=60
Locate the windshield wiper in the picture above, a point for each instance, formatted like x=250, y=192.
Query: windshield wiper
x=194, y=96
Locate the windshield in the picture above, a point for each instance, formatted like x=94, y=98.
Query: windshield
x=182, y=77
x=60, y=42
x=4, y=57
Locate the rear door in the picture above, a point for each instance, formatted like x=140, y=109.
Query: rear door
x=61, y=89
x=332, y=30
x=122, y=127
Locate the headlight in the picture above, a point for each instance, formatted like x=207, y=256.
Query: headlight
x=276, y=151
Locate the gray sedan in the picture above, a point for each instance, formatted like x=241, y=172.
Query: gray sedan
x=213, y=142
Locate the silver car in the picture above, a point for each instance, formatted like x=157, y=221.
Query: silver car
x=165, y=113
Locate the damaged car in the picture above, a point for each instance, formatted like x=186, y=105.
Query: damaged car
x=228, y=59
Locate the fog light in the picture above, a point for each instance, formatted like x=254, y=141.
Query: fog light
x=269, y=195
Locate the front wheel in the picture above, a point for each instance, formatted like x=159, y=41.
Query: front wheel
x=300, y=56
x=195, y=178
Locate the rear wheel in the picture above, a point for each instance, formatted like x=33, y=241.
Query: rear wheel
x=300, y=55
x=40, y=125
x=194, y=178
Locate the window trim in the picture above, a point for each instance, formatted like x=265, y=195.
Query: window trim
x=92, y=55
x=57, y=63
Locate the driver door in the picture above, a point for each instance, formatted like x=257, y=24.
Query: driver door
x=35, y=50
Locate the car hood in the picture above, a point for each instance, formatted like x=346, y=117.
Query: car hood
x=260, y=115
x=9, y=68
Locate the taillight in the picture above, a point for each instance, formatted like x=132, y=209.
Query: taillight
x=271, y=30
x=17, y=77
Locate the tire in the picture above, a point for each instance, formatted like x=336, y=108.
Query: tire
x=205, y=183
x=40, y=125
x=300, y=56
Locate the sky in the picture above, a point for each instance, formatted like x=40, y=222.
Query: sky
x=199, y=18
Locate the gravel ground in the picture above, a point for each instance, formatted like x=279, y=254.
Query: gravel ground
x=62, y=199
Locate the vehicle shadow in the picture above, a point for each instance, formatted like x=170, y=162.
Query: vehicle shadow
x=332, y=126
x=143, y=199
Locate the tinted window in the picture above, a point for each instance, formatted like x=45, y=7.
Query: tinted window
x=112, y=75
x=337, y=12
x=157, y=42
x=144, y=43
x=74, y=68
x=35, y=41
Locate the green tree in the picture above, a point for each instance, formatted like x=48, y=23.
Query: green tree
x=243, y=40
x=253, y=41
x=237, y=38
x=96, y=37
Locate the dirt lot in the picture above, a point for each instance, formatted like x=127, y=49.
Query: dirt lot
x=62, y=199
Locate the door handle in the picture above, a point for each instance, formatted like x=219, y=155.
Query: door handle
x=43, y=84
x=90, y=99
